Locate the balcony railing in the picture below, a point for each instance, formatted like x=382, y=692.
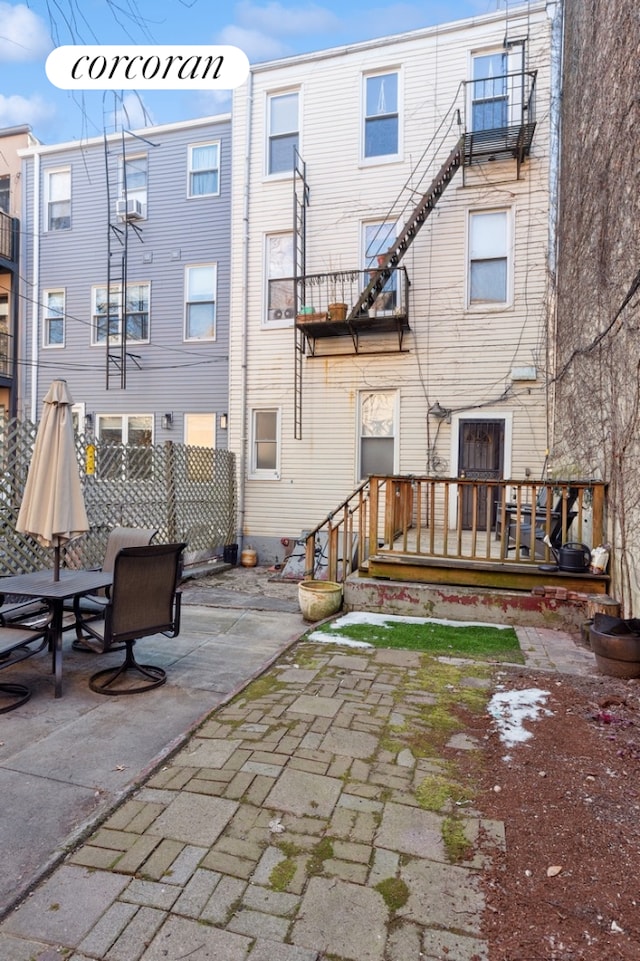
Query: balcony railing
x=8, y=231
x=326, y=303
x=507, y=523
x=5, y=359
x=500, y=116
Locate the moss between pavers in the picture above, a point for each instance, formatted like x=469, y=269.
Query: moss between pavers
x=394, y=891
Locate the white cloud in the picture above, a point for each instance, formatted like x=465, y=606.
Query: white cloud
x=257, y=46
x=23, y=34
x=24, y=110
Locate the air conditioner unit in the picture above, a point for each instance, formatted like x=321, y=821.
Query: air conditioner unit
x=130, y=209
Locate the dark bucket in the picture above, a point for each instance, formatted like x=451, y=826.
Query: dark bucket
x=230, y=554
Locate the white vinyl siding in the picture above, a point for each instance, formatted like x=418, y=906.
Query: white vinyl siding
x=58, y=199
x=53, y=319
x=204, y=169
x=283, y=127
x=200, y=302
x=488, y=258
x=450, y=354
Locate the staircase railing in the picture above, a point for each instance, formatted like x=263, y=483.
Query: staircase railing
x=498, y=522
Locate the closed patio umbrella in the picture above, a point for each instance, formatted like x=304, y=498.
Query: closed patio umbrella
x=52, y=509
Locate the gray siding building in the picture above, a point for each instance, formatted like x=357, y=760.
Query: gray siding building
x=125, y=281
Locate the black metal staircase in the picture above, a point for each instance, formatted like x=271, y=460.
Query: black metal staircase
x=392, y=257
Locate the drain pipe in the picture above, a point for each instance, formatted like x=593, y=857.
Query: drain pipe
x=35, y=289
x=244, y=442
x=555, y=13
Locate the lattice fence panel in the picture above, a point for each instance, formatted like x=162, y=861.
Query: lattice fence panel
x=184, y=493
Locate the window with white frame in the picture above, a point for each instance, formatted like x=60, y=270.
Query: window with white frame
x=53, y=319
x=377, y=238
x=124, y=447
x=204, y=169
x=58, y=199
x=134, y=180
x=200, y=302
x=489, y=108
x=283, y=131
x=377, y=432
x=488, y=257
x=381, y=117
x=265, y=443
x=279, y=276
x=107, y=316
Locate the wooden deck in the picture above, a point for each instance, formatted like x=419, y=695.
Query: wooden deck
x=462, y=572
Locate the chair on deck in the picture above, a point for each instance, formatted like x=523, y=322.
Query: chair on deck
x=554, y=522
x=18, y=642
x=144, y=600
x=95, y=604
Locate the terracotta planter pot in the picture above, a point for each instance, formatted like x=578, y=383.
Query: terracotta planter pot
x=616, y=646
x=319, y=599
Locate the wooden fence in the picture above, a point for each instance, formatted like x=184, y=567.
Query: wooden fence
x=184, y=493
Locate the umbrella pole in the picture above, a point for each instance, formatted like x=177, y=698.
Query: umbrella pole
x=56, y=563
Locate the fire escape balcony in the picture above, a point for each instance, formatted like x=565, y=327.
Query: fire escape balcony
x=8, y=240
x=501, y=118
x=329, y=307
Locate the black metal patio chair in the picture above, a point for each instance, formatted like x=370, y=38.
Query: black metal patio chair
x=144, y=600
x=554, y=522
x=89, y=604
x=18, y=642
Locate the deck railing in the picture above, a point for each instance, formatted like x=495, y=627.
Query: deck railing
x=502, y=522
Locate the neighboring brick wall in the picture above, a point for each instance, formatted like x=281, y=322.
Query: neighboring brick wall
x=597, y=424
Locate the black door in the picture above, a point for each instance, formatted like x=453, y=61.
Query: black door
x=480, y=457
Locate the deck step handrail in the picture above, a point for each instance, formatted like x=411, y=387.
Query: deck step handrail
x=500, y=521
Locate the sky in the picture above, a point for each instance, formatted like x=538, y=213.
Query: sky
x=263, y=29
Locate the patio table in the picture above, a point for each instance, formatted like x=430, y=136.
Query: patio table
x=40, y=584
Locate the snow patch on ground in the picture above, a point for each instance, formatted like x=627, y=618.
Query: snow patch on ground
x=512, y=708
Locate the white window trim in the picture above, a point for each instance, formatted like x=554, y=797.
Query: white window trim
x=200, y=340
x=384, y=158
x=284, y=322
x=191, y=146
x=47, y=189
x=45, y=315
x=256, y=473
x=510, y=249
x=116, y=341
x=396, y=428
x=269, y=96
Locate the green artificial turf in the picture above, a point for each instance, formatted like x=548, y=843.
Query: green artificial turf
x=476, y=641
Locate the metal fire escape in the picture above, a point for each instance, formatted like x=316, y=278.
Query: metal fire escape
x=120, y=223
x=510, y=140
